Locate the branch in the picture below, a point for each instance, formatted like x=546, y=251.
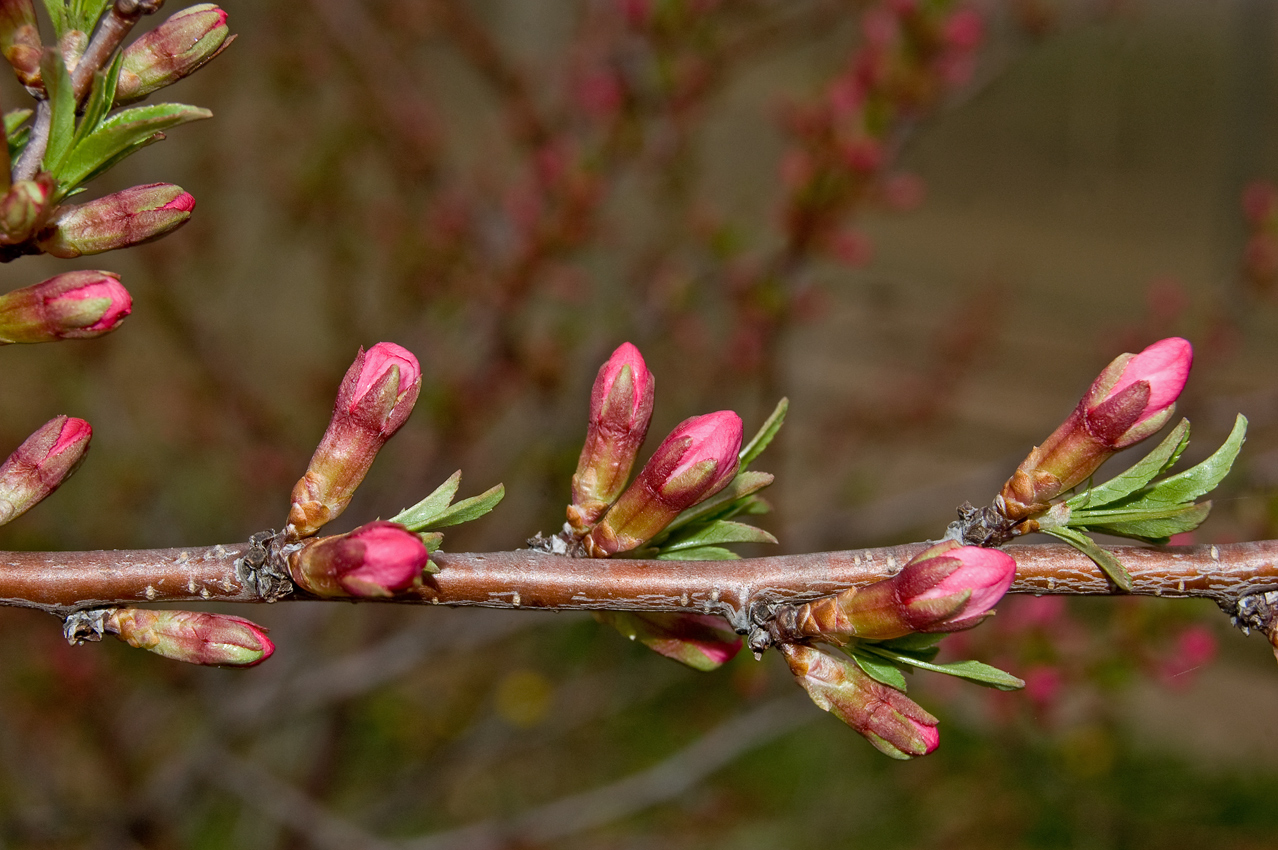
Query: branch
x=62, y=582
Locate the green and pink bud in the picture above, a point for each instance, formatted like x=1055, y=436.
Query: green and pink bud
x=25, y=209
x=121, y=220
x=173, y=50
x=374, y=400
x=620, y=409
x=40, y=465
x=74, y=305
x=700, y=641
x=195, y=637
x=947, y=588
x=375, y=560
x=697, y=460
x=1132, y=399
x=20, y=40
x=892, y=722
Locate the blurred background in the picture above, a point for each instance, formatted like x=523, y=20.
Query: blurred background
x=928, y=224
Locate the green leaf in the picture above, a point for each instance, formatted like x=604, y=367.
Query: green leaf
x=62, y=103
x=1144, y=471
x=918, y=644
x=419, y=515
x=760, y=441
x=1203, y=478
x=121, y=134
x=433, y=540
x=972, y=671
x=14, y=118
x=701, y=553
x=880, y=670
x=468, y=509
x=17, y=142
x=84, y=14
x=721, y=531
x=1108, y=564
x=57, y=10
x=1152, y=526
x=744, y=484
x=101, y=96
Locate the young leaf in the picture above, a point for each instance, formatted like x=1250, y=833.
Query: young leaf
x=468, y=509
x=101, y=96
x=880, y=670
x=433, y=540
x=123, y=133
x=918, y=644
x=1108, y=564
x=972, y=671
x=1144, y=471
x=85, y=14
x=57, y=10
x=1154, y=526
x=62, y=103
x=14, y=118
x=760, y=441
x=419, y=515
x=721, y=531
x=743, y=485
x=701, y=553
x=1203, y=478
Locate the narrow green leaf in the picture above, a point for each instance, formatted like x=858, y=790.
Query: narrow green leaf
x=1144, y=471
x=14, y=118
x=468, y=509
x=880, y=670
x=433, y=540
x=701, y=553
x=122, y=133
x=86, y=13
x=1156, y=529
x=743, y=485
x=760, y=440
x=419, y=515
x=1108, y=564
x=1203, y=478
x=62, y=103
x=722, y=531
x=57, y=10
x=972, y=671
x=917, y=643
x=18, y=141
x=101, y=95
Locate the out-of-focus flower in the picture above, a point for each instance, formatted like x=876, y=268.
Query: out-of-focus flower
x=374, y=400
x=74, y=305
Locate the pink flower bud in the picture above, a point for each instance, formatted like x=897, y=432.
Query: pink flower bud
x=620, y=409
x=215, y=640
x=1132, y=399
x=20, y=40
x=171, y=51
x=40, y=465
x=377, y=559
x=126, y=218
x=697, y=460
x=74, y=305
x=892, y=722
x=373, y=401
x=25, y=208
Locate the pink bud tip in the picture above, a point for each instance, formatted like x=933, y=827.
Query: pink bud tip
x=714, y=436
x=987, y=573
x=74, y=433
x=392, y=558
x=379, y=359
x=1165, y=367
x=184, y=202
x=119, y=303
x=625, y=355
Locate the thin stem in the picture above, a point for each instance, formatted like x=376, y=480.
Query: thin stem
x=111, y=32
x=29, y=163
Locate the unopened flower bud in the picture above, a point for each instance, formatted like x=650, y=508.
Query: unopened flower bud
x=892, y=722
x=120, y=220
x=74, y=305
x=171, y=51
x=41, y=464
x=25, y=208
x=375, y=560
x=620, y=409
x=20, y=40
x=373, y=401
x=214, y=640
x=700, y=641
x=697, y=460
x=946, y=588
x=1132, y=399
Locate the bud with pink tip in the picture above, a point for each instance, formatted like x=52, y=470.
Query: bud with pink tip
x=176, y=48
x=40, y=465
x=125, y=218
x=697, y=460
x=20, y=40
x=1132, y=399
x=946, y=588
x=214, y=640
x=25, y=208
x=74, y=305
x=373, y=401
x=620, y=409
x=892, y=722
x=375, y=560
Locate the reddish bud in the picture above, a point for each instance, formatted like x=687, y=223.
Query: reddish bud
x=375, y=398
x=20, y=40
x=892, y=722
x=620, y=409
x=40, y=465
x=126, y=218
x=377, y=559
x=697, y=460
x=74, y=305
x=214, y=640
x=171, y=51
x=699, y=641
x=1132, y=399
x=25, y=208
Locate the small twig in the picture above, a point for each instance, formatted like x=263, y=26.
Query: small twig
x=29, y=162
x=111, y=32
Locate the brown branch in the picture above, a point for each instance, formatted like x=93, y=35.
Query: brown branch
x=61, y=582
